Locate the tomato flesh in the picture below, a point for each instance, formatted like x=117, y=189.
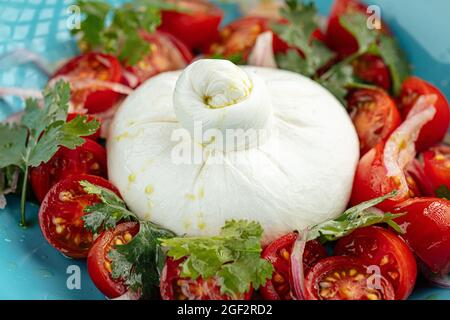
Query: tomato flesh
x=374, y=115
x=279, y=254
x=89, y=158
x=61, y=212
x=345, y=278
x=380, y=247
x=175, y=287
x=437, y=166
x=435, y=130
x=99, y=264
x=427, y=230
x=372, y=69
x=197, y=25
x=92, y=66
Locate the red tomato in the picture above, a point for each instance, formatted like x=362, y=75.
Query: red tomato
x=345, y=278
x=371, y=181
x=173, y=287
x=89, y=158
x=427, y=230
x=372, y=69
x=435, y=130
x=436, y=166
x=167, y=53
x=94, y=136
x=92, y=66
x=376, y=246
x=99, y=264
x=374, y=115
x=61, y=212
x=278, y=253
x=338, y=38
x=196, y=24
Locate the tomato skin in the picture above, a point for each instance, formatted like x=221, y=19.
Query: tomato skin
x=372, y=69
x=436, y=166
x=171, y=289
x=197, y=27
x=427, y=230
x=98, y=259
x=167, y=54
x=278, y=254
x=89, y=158
x=435, y=130
x=91, y=66
x=96, y=135
x=321, y=282
x=61, y=212
x=374, y=115
x=371, y=180
x=381, y=247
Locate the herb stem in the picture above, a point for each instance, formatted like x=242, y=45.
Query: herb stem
x=23, y=198
x=338, y=65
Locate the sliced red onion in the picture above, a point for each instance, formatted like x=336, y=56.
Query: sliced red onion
x=298, y=274
x=415, y=169
x=21, y=56
x=131, y=78
x=81, y=84
x=400, y=148
x=20, y=92
x=262, y=53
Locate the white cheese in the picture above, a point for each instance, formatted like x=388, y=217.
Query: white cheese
x=296, y=172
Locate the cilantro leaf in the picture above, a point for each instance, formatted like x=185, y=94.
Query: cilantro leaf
x=339, y=81
x=139, y=263
x=395, y=59
x=105, y=214
x=41, y=132
x=443, y=192
x=356, y=217
x=356, y=24
x=233, y=257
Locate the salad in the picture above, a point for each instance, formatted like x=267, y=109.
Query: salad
x=336, y=189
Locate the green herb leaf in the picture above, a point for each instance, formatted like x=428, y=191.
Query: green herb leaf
x=443, y=192
x=236, y=58
x=356, y=24
x=139, y=263
x=339, y=81
x=233, y=257
x=12, y=145
x=106, y=214
x=395, y=59
x=356, y=217
x=116, y=30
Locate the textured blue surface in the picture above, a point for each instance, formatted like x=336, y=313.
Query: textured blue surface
x=29, y=267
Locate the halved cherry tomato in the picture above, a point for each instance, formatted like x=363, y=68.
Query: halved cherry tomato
x=376, y=246
x=372, y=69
x=174, y=287
x=436, y=166
x=89, y=158
x=92, y=66
x=427, y=230
x=435, y=130
x=61, y=212
x=99, y=264
x=345, y=278
x=338, y=38
x=96, y=135
x=196, y=23
x=371, y=181
x=167, y=53
x=374, y=115
x=279, y=253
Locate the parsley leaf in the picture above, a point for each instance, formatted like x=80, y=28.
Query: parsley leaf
x=298, y=33
x=233, y=257
x=41, y=132
x=117, y=30
x=443, y=192
x=139, y=263
x=356, y=217
x=105, y=214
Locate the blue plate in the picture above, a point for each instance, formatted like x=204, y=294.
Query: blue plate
x=29, y=267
